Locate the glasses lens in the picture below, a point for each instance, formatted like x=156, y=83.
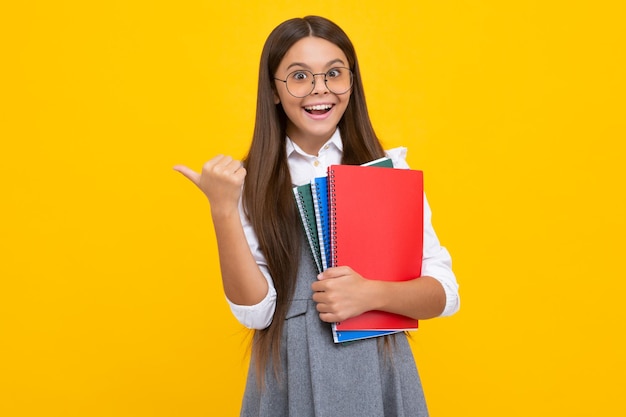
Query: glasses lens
x=339, y=80
x=300, y=83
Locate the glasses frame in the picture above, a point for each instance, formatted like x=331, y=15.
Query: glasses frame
x=314, y=81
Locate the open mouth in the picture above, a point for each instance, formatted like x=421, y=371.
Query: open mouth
x=318, y=109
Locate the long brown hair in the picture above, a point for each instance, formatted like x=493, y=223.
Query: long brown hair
x=267, y=194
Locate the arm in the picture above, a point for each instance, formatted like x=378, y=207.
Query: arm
x=341, y=293
x=221, y=181
x=422, y=298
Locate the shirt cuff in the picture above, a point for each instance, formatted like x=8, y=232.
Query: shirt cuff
x=441, y=270
x=453, y=302
x=257, y=316
x=398, y=157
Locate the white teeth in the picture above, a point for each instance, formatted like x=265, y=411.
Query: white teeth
x=319, y=107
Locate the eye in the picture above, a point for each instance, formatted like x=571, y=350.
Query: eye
x=334, y=73
x=299, y=76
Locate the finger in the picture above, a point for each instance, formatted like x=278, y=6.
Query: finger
x=333, y=272
x=215, y=162
x=328, y=317
x=189, y=173
x=223, y=164
x=319, y=296
x=323, y=308
x=318, y=287
x=234, y=166
x=241, y=173
x=324, y=275
x=321, y=286
x=236, y=169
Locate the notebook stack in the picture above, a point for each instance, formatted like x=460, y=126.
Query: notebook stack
x=370, y=219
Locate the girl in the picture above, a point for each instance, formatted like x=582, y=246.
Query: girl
x=311, y=113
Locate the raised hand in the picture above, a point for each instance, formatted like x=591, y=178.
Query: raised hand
x=221, y=180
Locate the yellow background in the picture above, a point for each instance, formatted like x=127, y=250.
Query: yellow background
x=110, y=297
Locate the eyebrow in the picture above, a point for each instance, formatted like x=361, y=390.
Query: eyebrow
x=302, y=64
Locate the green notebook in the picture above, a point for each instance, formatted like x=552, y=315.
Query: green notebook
x=306, y=209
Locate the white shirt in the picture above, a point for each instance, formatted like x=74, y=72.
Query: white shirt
x=303, y=167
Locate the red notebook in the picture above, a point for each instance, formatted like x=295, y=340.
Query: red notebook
x=377, y=227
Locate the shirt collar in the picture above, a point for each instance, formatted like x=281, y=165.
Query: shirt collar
x=292, y=147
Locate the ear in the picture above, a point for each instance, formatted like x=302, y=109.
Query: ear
x=276, y=98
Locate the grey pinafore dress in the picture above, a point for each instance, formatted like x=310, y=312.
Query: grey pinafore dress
x=322, y=379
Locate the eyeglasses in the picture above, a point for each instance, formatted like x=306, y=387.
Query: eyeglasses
x=301, y=83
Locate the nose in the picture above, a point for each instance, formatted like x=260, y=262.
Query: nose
x=319, y=85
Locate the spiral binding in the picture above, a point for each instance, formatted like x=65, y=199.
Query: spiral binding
x=332, y=207
x=319, y=189
x=309, y=225
x=306, y=225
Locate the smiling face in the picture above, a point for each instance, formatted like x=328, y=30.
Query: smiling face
x=312, y=119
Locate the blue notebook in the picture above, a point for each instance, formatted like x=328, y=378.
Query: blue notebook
x=319, y=191
x=344, y=336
